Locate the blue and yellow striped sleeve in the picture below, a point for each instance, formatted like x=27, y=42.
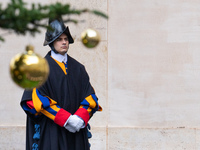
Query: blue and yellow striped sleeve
x=46, y=106
x=88, y=107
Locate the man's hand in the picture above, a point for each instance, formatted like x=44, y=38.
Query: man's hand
x=74, y=123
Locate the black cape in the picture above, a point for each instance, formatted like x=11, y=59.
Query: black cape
x=68, y=90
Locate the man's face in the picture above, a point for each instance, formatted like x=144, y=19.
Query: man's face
x=61, y=44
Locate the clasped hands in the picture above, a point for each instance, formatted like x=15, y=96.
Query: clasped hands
x=74, y=124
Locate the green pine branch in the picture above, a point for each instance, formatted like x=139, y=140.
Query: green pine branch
x=21, y=20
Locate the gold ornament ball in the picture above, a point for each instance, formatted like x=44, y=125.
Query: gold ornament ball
x=90, y=38
x=28, y=69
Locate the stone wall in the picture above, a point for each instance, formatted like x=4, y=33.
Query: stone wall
x=145, y=72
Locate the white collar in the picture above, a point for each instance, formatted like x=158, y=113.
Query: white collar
x=59, y=57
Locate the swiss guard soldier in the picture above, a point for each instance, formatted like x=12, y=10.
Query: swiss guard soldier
x=58, y=112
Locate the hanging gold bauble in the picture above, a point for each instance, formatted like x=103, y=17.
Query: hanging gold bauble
x=90, y=38
x=28, y=69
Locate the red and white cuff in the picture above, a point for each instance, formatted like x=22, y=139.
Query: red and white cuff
x=83, y=113
x=61, y=117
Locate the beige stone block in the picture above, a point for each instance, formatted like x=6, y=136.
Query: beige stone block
x=151, y=139
x=12, y=137
x=152, y=78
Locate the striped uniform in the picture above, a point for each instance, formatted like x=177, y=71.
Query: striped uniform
x=47, y=106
